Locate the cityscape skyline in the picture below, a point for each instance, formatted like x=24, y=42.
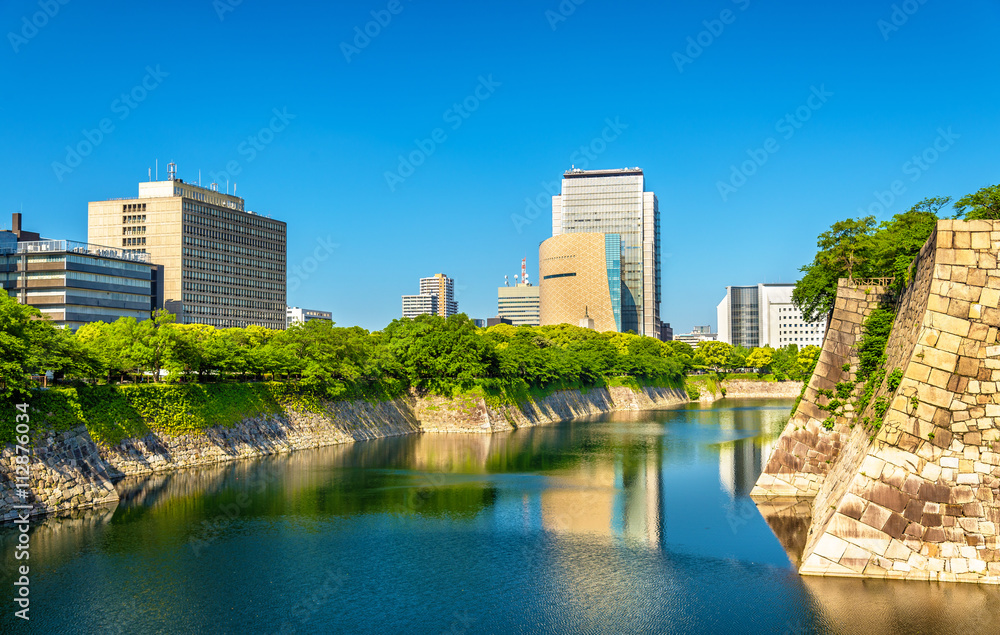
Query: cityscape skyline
x=756, y=137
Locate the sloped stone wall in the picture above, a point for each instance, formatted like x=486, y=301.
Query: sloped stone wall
x=69, y=471
x=920, y=497
x=66, y=472
x=806, y=449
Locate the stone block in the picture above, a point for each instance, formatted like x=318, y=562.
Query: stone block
x=949, y=323
x=961, y=240
x=967, y=366
x=939, y=359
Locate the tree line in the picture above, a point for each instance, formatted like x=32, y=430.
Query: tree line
x=862, y=248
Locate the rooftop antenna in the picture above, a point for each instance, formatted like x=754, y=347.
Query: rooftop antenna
x=234, y=189
x=227, y=186
x=171, y=171
x=524, y=271
x=506, y=283
x=157, y=169
x=150, y=173
x=214, y=187
x=199, y=178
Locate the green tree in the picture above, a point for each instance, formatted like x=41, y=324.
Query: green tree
x=760, y=358
x=29, y=345
x=844, y=250
x=898, y=241
x=984, y=204
x=714, y=353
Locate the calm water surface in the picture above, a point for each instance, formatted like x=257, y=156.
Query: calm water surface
x=623, y=523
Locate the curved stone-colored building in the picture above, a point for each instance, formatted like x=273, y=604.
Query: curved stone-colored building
x=581, y=276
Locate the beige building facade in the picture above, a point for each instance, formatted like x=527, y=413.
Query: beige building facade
x=222, y=266
x=580, y=277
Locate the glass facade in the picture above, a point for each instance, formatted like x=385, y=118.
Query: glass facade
x=615, y=202
x=613, y=258
x=744, y=316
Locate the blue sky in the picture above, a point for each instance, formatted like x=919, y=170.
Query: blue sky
x=550, y=75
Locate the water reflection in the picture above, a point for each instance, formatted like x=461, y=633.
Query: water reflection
x=628, y=522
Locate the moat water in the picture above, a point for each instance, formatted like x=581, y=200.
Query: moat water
x=621, y=523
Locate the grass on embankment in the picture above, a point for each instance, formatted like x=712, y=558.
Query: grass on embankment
x=114, y=413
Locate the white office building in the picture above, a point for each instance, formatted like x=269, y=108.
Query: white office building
x=414, y=305
x=297, y=315
x=763, y=315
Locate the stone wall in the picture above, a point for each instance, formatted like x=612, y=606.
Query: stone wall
x=342, y=422
x=806, y=449
x=68, y=471
x=748, y=389
x=918, y=498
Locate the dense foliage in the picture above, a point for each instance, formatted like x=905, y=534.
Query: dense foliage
x=786, y=363
x=858, y=248
x=429, y=353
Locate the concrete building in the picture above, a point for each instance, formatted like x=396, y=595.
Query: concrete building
x=697, y=334
x=296, y=315
x=615, y=202
x=414, y=305
x=520, y=304
x=437, y=297
x=443, y=287
x=493, y=321
x=581, y=279
x=222, y=265
x=666, y=332
x=763, y=315
x=75, y=283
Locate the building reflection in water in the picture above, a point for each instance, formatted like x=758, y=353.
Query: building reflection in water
x=742, y=460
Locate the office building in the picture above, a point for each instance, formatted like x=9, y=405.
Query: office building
x=443, y=288
x=763, y=315
x=697, y=334
x=222, y=265
x=520, y=303
x=666, y=332
x=296, y=315
x=493, y=321
x=581, y=280
x=74, y=283
x=614, y=202
x=436, y=297
x=422, y=304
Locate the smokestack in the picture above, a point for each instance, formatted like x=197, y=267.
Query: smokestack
x=15, y=223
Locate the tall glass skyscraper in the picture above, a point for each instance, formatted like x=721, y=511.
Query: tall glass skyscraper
x=615, y=202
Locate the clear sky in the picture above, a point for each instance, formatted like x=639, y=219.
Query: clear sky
x=868, y=88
